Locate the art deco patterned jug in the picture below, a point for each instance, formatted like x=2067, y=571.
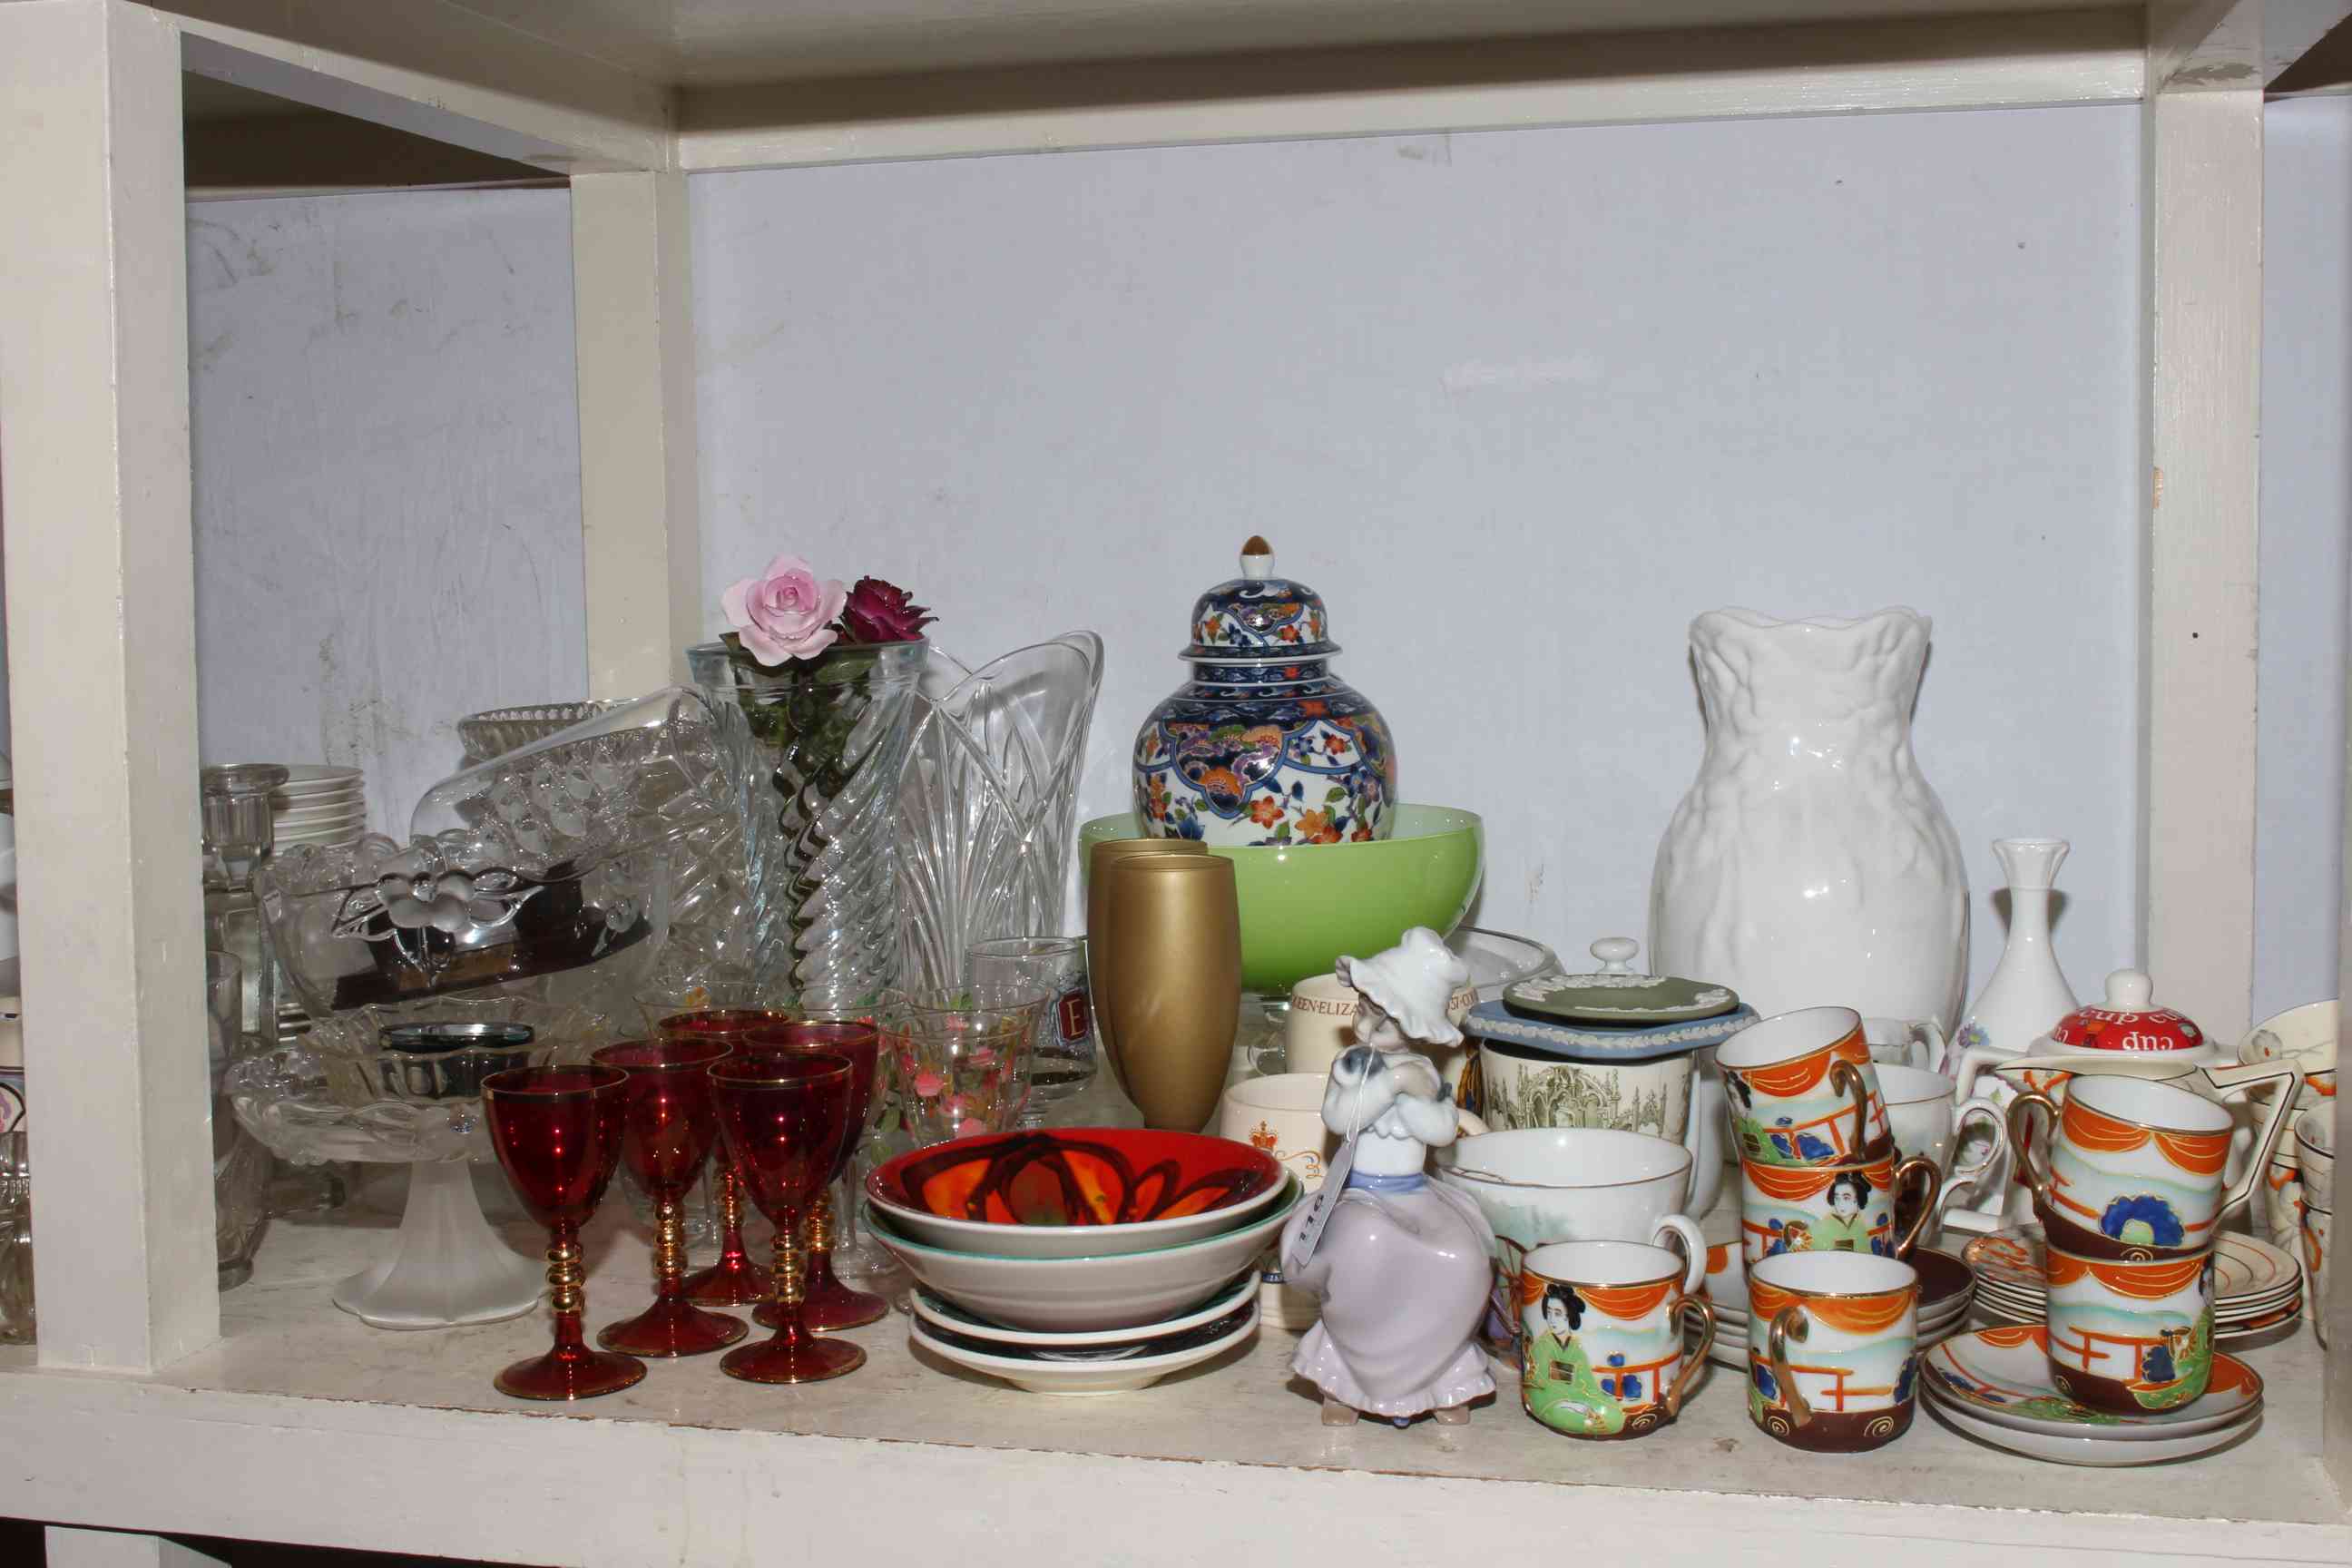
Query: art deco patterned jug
x=1812, y=864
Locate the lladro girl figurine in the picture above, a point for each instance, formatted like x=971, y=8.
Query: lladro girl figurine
x=1399, y=1260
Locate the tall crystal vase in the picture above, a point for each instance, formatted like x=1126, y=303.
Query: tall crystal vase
x=817, y=755
x=1810, y=863
x=988, y=803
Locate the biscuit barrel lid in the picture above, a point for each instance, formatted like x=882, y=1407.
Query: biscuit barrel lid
x=1618, y=994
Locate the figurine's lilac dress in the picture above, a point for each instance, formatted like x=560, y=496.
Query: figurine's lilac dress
x=1401, y=1269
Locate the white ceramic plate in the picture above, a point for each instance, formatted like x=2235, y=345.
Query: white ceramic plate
x=2092, y=1451
x=2002, y=1376
x=317, y=775
x=1123, y=1376
x=1062, y=1294
x=954, y=1319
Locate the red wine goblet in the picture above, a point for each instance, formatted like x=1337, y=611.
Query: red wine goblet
x=667, y=1133
x=786, y=1119
x=734, y=1281
x=558, y=1134
x=827, y=1303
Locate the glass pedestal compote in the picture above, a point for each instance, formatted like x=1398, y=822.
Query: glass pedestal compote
x=345, y=1096
x=786, y=1122
x=827, y=1303
x=734, y=1281
x=666, y=1136
x=558, y=1134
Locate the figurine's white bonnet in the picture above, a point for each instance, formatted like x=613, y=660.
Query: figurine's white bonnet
x=1410, y=982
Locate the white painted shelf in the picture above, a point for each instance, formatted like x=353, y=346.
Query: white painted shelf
x=273, y=1432
x=280, y=1418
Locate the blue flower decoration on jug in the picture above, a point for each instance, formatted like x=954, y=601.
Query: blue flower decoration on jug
x=1263, y=745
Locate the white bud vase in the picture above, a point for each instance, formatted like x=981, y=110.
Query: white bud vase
x=2027, y=994
x=1810, y=864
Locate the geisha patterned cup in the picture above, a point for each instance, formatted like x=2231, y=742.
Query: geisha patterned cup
x=1602, y=1353
x=2132, y=1169
x=2130, y=1337
x=1832, y=1350
x=1803, y=1090
x=1833, y=1209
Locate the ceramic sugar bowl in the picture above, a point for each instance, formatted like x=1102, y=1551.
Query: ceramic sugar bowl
x=1263, y=744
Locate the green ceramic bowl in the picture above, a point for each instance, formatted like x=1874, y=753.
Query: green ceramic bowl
x=1304, y=906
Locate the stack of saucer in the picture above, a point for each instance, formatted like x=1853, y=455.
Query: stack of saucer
x=1947, y=1289
x=2256, y=1287
x=319, y=805
x=1994, y=1385
x=1102, y=1361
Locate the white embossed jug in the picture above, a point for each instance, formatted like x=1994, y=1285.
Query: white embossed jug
x=1810, y=864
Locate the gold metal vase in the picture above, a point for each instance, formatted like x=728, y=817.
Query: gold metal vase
x=1100, y=939
x=1171, y=985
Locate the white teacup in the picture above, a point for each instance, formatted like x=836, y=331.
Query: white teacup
x=1905, y=1042
x=2315, y=1155
x=1921, y=1112
x=1575, y=1183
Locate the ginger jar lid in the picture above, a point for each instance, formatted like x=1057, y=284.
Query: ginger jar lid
x=2128, y=1020
x=1258, y=616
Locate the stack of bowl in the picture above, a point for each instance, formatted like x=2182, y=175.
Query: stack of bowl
x=1081, y=1259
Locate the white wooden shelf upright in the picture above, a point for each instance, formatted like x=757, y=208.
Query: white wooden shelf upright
x=274, y=1420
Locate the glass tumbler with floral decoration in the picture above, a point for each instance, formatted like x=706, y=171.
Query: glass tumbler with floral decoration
x=961, y=1059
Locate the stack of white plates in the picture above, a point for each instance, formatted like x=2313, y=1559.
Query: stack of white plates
x=2256, y=1287
x=320, y=805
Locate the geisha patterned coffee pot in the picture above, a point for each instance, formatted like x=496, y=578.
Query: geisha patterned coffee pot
x=1263, y=744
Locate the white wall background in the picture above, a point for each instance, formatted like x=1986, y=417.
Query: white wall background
x=1518, y=403
x=387, y=472
x=2306, y=519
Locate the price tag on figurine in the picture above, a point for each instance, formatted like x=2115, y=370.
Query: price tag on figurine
x=1319, y=1207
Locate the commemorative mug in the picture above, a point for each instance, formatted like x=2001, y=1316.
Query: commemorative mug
x=1803, y=1089
x=1321, y=1023
x=1832, y=1350
x=2132, y=1167
x=2130, y=1337
x=1833, y=1209
x=1601, y=1324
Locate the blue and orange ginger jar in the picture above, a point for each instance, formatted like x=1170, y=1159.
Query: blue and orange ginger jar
x=1263, y=744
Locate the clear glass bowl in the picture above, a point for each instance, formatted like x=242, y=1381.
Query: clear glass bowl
x=498, y=730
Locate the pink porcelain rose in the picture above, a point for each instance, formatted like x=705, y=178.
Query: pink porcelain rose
x=786, y=612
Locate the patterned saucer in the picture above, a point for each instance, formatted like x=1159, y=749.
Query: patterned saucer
x=2002, y=1376
x=2247, y=1273
x=2094, y=1451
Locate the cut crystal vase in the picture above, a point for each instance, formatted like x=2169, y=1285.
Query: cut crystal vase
x=817, y=745
x=988, y=801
